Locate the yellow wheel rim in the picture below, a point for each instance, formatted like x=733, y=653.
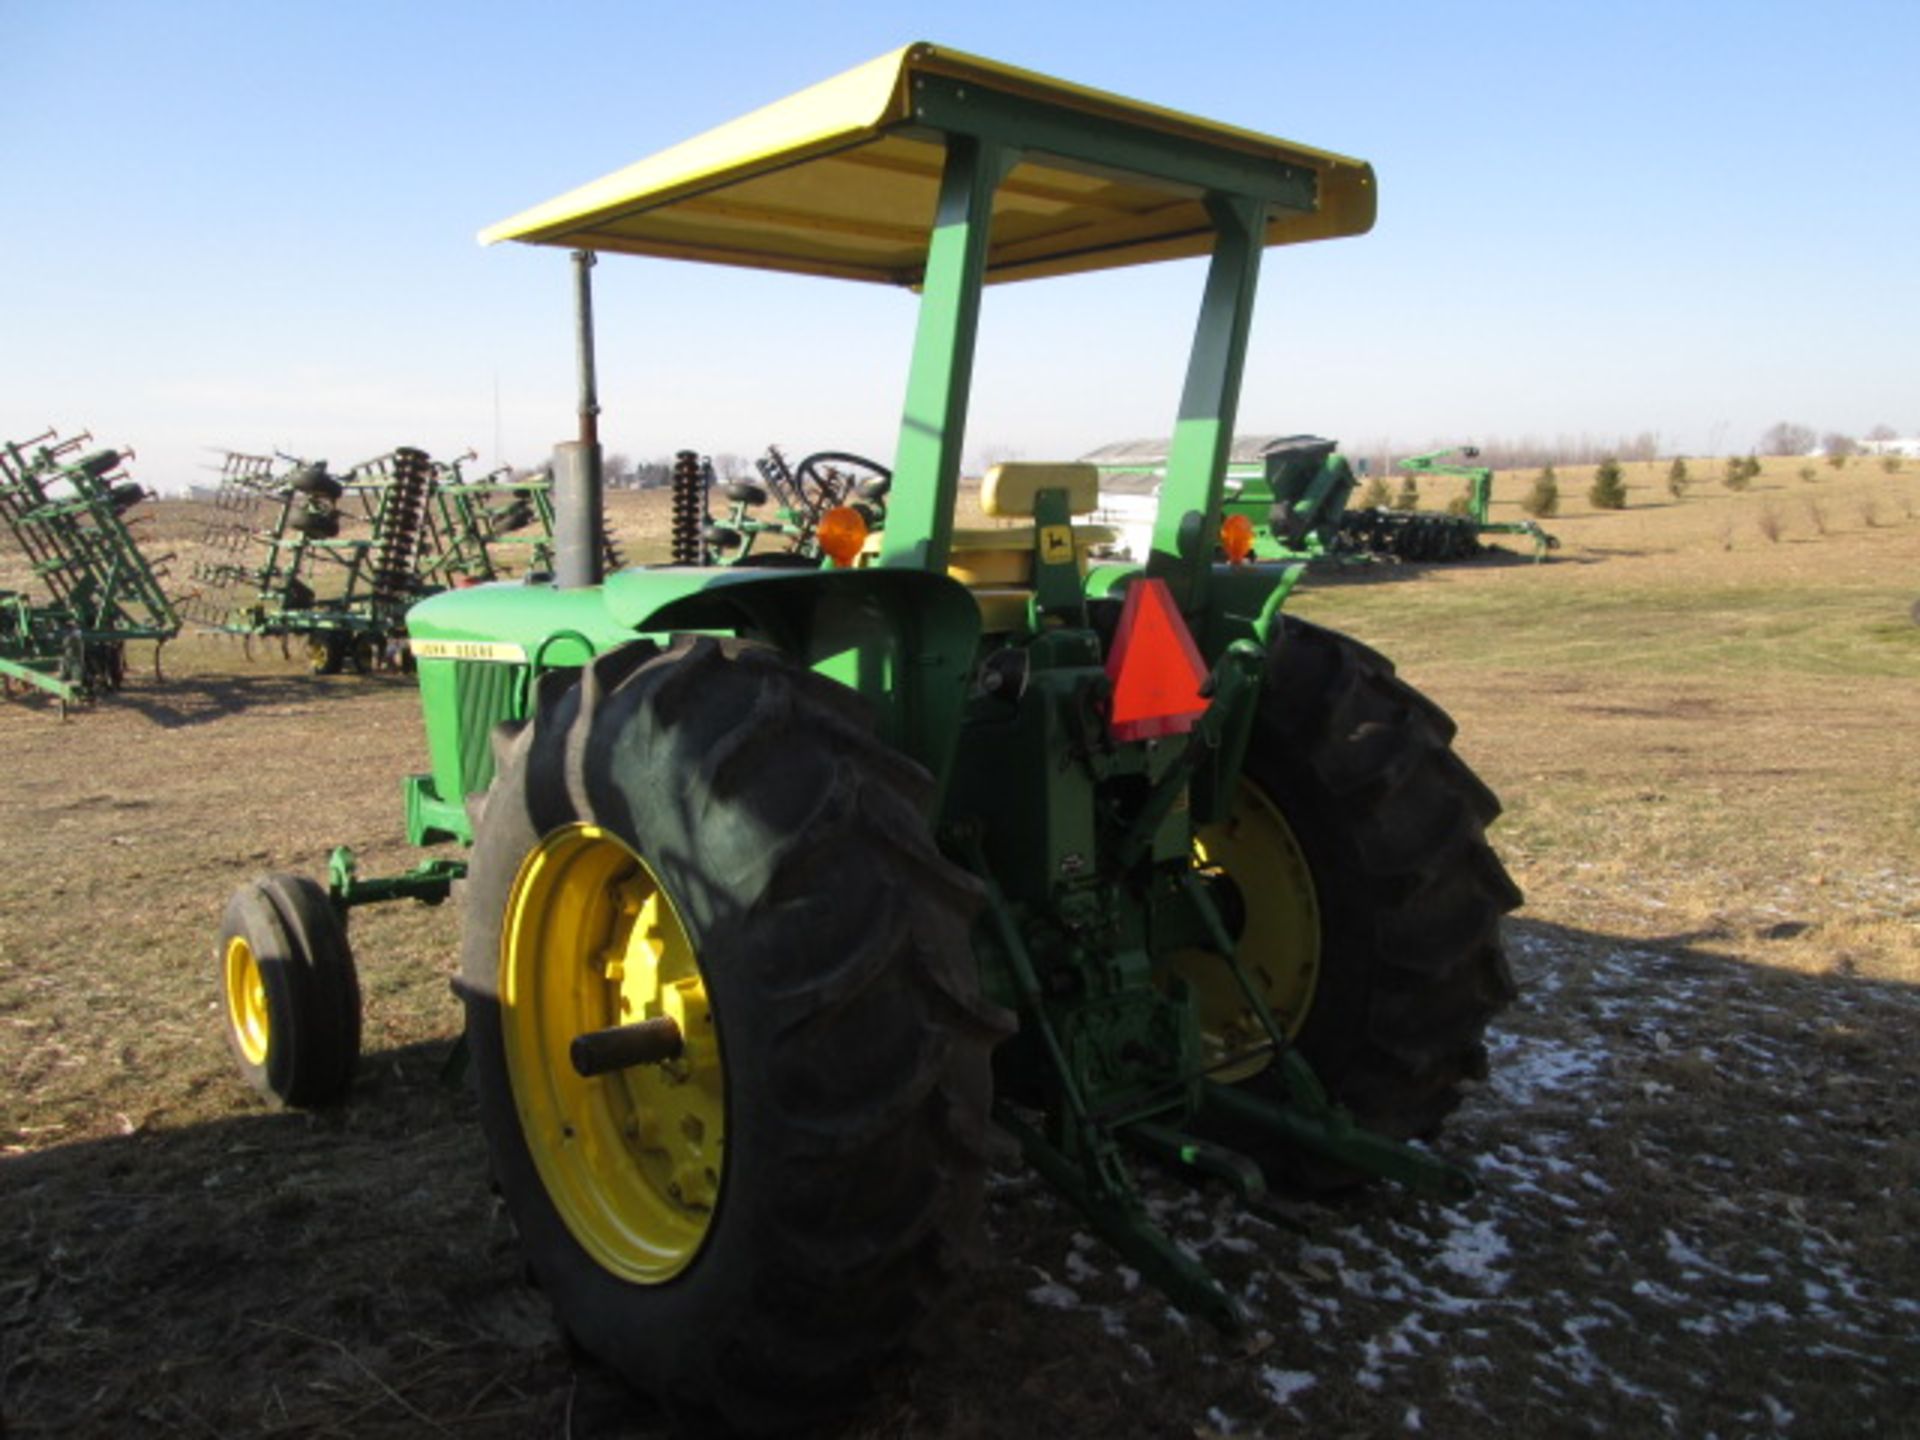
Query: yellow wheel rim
x=630, y=1159
x=246, y=1000
x=1279, y=943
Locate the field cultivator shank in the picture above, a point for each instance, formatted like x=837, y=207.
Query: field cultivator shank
x=70, y=517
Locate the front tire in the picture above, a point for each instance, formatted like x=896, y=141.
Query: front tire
x=290, y=995
x=716, y=835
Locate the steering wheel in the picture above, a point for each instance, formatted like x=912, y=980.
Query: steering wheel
x=833, y=477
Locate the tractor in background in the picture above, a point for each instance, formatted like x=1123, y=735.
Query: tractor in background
x=784, y=886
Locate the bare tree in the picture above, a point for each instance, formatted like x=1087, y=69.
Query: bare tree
x=1836, y=446
x=1882, y=433
x=1786, y=438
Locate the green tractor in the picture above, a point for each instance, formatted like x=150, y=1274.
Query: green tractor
x=791, y=886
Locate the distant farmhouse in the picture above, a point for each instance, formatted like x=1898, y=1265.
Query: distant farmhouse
x=1908, y=445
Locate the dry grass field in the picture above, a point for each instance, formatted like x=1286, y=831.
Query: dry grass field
x=1700, y=1145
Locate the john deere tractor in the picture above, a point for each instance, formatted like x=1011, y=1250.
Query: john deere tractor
x=790, y=885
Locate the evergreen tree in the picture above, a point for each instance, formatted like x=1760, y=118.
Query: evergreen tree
x=1609, y=488
x=1543, y=499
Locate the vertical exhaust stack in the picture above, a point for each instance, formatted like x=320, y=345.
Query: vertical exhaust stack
x=578, y=510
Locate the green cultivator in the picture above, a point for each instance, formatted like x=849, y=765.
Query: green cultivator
x=338, y=559
x=69, y=516
x=789, y=883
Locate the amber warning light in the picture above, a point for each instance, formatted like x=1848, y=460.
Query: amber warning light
x=841, y=532
x=1236, y=538
x=1155, y=667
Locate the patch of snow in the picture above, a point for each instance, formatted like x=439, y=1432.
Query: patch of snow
x=1282, y=1385
x=1744, y=1314
x=1683, y=1255
x=1471, y=1250
x=1078, y=1270
x=1523, y=1068
x=1659, y=1294
x=1054, y=1296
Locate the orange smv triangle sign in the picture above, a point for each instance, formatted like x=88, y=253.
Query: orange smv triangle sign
x=1155, y=667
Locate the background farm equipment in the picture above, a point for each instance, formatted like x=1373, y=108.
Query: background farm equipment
x=70, y=517
x=788, y=883
x=337, y=559
x=1477, y=501
x=1295, y=491
x=775, y=521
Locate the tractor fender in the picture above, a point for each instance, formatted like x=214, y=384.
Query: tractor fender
x=905, y=639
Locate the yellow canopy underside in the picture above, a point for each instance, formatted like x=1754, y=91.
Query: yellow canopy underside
x=839, y=180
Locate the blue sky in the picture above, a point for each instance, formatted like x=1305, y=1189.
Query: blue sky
x=252, y=225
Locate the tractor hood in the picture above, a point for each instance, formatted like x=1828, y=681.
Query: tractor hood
x=842, y=179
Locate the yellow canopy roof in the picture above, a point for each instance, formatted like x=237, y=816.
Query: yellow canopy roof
x=842, y=180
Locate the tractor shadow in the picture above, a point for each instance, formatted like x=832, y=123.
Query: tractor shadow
x=199, y=680
x=179, y=702
x=350, y=1271
x=345, y=1271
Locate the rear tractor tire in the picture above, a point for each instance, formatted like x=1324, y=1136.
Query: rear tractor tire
x=1369, y=899
x=711, y=840
x=289, y=994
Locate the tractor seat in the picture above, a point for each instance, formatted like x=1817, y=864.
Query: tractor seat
x=997, y=564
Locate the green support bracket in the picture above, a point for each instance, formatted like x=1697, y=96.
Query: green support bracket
x=926, y=467
x=1180, y=1150
x=1332, y=1134
x=429, y=882
x=1227, y=729
x=1310, y=1120
x=1123, y=1223
x=1190, y=498
x=1263, y=624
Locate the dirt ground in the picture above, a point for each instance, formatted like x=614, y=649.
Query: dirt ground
x=1699, y=1147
